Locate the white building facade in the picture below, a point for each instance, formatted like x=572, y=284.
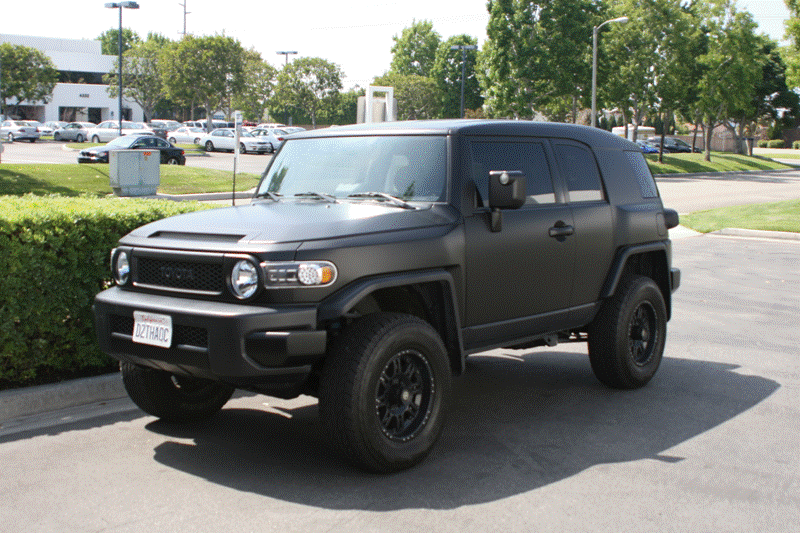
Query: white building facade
x=80, y=95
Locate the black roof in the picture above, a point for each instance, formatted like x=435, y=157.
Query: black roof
x=592, y=136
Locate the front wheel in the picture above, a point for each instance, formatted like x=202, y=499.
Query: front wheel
x=96, y=139
x=11, y=137
x=79, y=138
x=56, y=137
x=171, y=140
x=173, y=398
x=209, y=146
x=384, y=391
x=626, y=339
x=242, y=149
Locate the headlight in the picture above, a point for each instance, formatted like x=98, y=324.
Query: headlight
x=244, y=279
x=299, y=274
x=122, y=268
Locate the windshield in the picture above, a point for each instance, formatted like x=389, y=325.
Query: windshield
x=122, y=142
x=411, y=168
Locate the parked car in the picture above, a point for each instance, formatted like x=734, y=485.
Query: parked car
x=41, y=128
x=186, y=134
x=373, y=260
x=53, y=125
x=271, y=125
x=292, y=129
x=109, y=130
x=273, y=136
x=225, y=139
x=170, y=155
x=74, y=131
x=646, y=147
x=672, y=145
x=18, y=130
x=166, y=125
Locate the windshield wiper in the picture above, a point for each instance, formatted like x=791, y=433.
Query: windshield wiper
x=394, y=200
x=319, y=195
x=271, y=195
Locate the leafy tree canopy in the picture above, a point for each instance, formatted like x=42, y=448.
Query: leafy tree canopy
x=414, y=51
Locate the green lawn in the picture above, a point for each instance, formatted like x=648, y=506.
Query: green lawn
x=720, y=162
x=778, y=216
x=92, y=179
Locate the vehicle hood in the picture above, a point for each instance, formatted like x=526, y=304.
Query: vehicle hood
x=265, y=225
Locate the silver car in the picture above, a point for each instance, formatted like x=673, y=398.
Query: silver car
x=74, y=131
x=109, y=130
x=17, y=130
x=225, y=139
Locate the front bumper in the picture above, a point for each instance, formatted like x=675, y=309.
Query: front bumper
x=270, y=349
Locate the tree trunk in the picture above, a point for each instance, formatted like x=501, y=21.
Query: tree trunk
x=708, y=133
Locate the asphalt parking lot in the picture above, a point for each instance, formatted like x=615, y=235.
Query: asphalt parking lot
x=533, y=441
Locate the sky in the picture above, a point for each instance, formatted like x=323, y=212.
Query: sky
x=354, y=34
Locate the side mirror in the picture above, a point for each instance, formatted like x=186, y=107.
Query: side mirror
x=671, y=218
x=506, y=191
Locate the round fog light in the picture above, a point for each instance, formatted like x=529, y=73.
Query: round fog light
x=122, y=268
x=244, y=279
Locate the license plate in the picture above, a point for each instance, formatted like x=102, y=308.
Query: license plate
x=152, y=329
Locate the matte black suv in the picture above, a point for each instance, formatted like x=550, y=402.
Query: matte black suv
x=374, y=259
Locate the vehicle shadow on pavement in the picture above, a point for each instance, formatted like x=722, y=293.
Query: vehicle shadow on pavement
x=517, y=422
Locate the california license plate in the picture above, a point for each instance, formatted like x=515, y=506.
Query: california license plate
x=152, y=329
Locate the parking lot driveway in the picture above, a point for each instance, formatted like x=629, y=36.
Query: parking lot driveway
x=533, y=441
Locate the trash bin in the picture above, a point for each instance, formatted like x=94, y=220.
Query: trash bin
x=134, y=172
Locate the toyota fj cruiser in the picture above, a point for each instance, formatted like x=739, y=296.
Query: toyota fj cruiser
x=374, y=259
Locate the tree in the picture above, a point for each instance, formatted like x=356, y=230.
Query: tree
x=27, y=75
x=258, y=87
x=109, y=44
x=208, y=69
x=142, y=81
x=447, y=74
x=311, y=84
x=507, y=64
x=414, y=51
x=417, y=96
x=731, y=67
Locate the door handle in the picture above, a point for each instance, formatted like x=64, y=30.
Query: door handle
x=561, y=230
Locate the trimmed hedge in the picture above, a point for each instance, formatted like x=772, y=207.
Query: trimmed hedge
x=55, y=258
x=796, y=145
x=776, y=143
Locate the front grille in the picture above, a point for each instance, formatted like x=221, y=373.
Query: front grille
x=180, y=275
x=181, y=335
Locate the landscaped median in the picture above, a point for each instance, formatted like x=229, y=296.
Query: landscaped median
x=720, y=162
x=778, y=216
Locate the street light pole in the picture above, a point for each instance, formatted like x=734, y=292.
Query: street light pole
x=463, y=48
x=120, y=5
x=287, y=54
x=595, y=32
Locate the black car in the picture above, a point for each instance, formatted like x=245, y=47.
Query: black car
x=672, y=145
x=374, y=259
x=170, y=155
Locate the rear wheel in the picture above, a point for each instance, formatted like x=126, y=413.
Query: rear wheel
x=384, y=391
x=173, y=161
x=626, y=339
x=171, y=397
x=171, y=140
x=11, y=137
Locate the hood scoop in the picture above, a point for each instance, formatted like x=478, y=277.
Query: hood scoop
x=195, y=237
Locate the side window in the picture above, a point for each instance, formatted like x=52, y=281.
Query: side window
x=580, y=173
x=647, y=184
x=528, y=157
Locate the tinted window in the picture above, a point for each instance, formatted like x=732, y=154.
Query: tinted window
x=580, y=173
x=527, y=157
x=646, y=182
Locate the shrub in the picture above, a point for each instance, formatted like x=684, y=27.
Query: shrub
x=55, y=258
x=762, y=143
x=796, y=145
x=776, y=143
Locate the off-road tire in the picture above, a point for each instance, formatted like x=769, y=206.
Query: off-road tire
x=384, y=391
x=626, y=339
x=173, y=398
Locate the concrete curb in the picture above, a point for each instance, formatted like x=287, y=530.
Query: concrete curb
x=757, y=234
x=17, y=403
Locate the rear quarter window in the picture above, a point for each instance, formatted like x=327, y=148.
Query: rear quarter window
x=644, y=177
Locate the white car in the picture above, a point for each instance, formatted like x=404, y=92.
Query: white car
x=271, y=125
x=185, y=135
x=16, y=130
x=225, y=139
x=109, y=130
x=74, y=131
x=275, y=136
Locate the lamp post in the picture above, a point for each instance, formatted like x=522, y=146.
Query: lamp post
x=120, y=5
x=595, y=32
x=287, y=54
x=463, y=48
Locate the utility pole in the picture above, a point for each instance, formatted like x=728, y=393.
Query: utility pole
x=184, y=15
x=463, y=48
